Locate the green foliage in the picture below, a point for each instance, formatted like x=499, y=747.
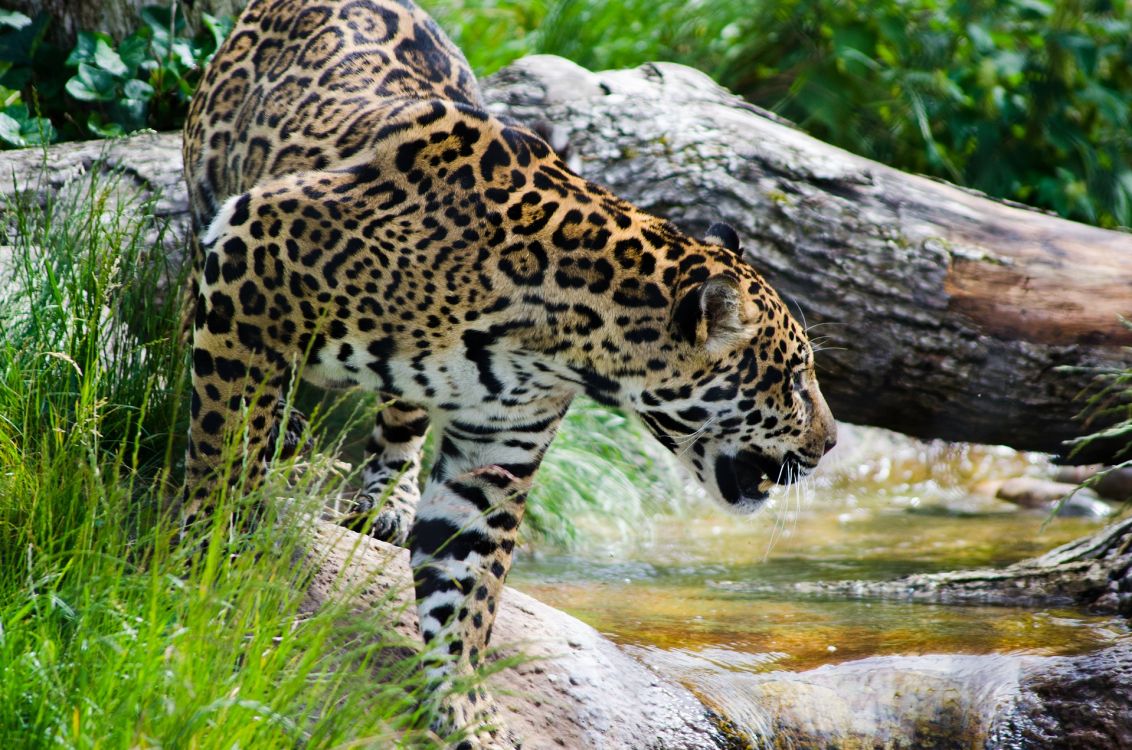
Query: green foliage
x=111, y=636
x=1023, y=99
x=106, y=89
x=596, y=35
x=606, y=466
x=147, y=79
x=19, y=38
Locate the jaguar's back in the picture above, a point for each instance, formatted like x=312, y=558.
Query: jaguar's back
x=306, y=85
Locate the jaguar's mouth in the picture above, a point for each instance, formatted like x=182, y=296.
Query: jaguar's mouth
x=745, y=479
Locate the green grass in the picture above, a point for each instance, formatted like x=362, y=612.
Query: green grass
x=596, y=35
x=110, y=635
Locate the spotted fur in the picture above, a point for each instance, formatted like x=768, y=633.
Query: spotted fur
x=356, y=207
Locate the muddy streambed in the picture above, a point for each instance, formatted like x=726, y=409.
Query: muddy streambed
x=706, y=597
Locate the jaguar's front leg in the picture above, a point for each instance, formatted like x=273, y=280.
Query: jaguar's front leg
x=462, y=542
x=390, y=490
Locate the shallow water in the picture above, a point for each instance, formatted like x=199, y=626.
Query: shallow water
x=705, y=596
x=701, y=585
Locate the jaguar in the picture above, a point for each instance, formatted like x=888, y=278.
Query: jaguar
x=359, y=217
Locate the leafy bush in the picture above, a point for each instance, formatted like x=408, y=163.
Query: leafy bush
x=106, y=89
x=20, y=40
x=147, y=80
x=604, y=465
x=1023, y=99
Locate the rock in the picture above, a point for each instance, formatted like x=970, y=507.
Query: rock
x=1084, y=506
x=1094, y=572
x=1113, y=484
x=1077, y=702
x=1044, y=494
x=993, y=702
x=573, y=688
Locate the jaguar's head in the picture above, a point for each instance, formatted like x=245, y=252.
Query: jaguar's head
x=740, y=405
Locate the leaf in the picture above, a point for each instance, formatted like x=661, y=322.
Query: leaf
x=160, y=21
x=92, y=85
x=134, y=50
x=185, y=53
x=33, y=130
x=129, y=114
x=95, y=124
x=19, y=45
x=85, y=46
x=9, y=97
x=1035, y=7
x=981, y=38
x=219, y=28
x=13, y=19
x=107, y=58
x=138, y=89
x=39, y=130
x=10, y=131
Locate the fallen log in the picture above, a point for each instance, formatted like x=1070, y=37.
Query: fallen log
x=942, y=314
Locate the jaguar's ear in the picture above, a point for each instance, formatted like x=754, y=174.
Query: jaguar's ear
x=710, y=314
x=723, y=235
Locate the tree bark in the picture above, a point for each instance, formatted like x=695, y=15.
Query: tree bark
x=942, y=314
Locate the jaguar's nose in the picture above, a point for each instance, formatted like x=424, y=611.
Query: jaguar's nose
x=831, y=437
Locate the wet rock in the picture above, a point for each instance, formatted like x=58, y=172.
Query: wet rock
x=1094, y=572
x=934, y=701
x=1076, y=702
x=1080, y=506
x=1044, y=494
x=573, y=688
x=944, y=702
x=1115, y=484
